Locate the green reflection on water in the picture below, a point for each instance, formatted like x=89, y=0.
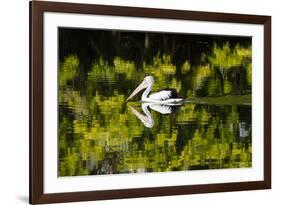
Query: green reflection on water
x=100, y=134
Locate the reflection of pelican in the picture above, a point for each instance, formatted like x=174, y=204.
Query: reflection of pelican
x=164, y=96
x=147, y=119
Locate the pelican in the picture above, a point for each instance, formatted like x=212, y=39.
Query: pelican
x=164, y=96
x=147, y=118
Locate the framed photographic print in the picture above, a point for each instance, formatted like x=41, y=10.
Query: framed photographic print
x=137, y=102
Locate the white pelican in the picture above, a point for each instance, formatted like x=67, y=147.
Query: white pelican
x=164, y=96
x=147, y=118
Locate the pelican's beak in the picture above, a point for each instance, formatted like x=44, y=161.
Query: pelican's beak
x=141, y=86
x=143, y=118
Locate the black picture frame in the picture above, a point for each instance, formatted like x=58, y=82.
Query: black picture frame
x=37, y=9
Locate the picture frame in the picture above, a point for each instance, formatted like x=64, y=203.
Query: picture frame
x=38, y=101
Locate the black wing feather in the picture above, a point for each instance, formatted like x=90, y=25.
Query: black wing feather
x=174, y=93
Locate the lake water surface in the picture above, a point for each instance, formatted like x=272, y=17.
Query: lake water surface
x=101, y=133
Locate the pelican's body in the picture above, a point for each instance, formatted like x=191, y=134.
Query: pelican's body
x=147, y=118
x=164, y=96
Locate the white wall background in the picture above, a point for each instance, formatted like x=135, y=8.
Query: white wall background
x=14, y=100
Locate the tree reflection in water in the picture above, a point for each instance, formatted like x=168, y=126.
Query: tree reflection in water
x=100, y=133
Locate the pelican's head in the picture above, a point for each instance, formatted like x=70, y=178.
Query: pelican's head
x=147, y=81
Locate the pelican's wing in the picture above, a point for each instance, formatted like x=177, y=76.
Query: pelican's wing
x=164, y=94
x=163, y=109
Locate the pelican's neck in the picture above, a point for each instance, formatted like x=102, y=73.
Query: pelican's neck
x=144, y=96
x=149, y=120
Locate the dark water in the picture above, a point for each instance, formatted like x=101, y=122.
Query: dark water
x=101, y=133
